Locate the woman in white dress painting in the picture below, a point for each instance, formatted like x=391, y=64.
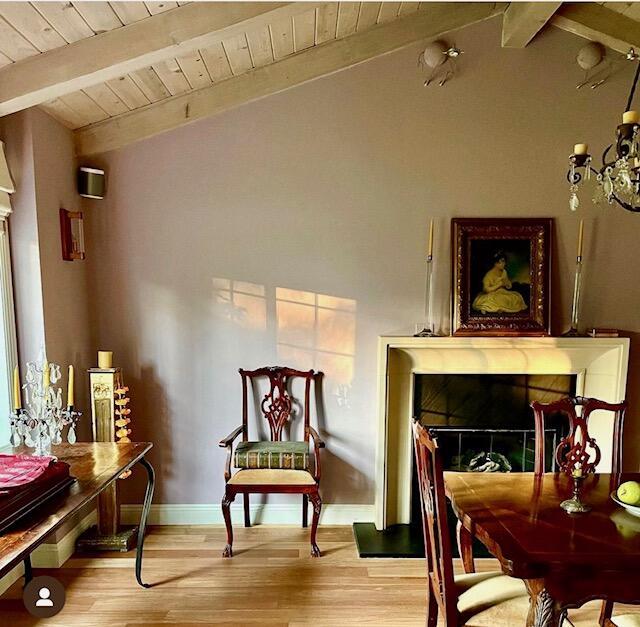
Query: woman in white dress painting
x=496, y=295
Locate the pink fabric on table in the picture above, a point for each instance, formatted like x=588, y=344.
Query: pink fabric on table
x=17, y=470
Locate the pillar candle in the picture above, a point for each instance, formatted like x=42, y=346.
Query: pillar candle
x=580, y=238
x=105, y=359
x=46, y=376
x=17, y=397
x=580, y=149
x=631, y=117
x=430, y=247
x=70, y=398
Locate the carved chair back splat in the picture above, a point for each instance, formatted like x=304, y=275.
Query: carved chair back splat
x=277, y=404
x=442, y=595
x=578, y=450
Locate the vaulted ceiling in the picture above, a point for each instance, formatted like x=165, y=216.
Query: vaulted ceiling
x=117, y=72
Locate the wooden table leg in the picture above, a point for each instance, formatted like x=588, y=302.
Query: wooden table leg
x=148, y=496
x=28, y=570
x=544, y=610
x=465, y=548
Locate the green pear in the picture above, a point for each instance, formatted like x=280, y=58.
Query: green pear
x=629, y=493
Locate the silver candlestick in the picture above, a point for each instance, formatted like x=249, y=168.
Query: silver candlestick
x=42, y=421
x=428, y=326
x=575, y=305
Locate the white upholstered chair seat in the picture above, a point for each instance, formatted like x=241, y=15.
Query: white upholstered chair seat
x=626, y=620
x=490, y=599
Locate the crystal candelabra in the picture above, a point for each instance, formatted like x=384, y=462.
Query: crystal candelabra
x=42, y=421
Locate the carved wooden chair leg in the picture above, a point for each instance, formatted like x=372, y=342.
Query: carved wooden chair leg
x=305, y=511
x=247, y=515
x=317, y=506
x=605, y=614
x=226, y=513
x=465, y=548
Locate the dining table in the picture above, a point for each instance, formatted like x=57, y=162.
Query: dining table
x=564, y=559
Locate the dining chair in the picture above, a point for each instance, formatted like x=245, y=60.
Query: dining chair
x=579, y=451
x=479, y=596
x=274, y=465
x=576, y=449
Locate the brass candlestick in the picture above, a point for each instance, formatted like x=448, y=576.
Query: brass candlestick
x=574, y=505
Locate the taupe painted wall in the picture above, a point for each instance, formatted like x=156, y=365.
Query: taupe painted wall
x=327, y=190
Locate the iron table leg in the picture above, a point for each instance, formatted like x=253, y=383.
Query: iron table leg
x=148, y=496
x=28, y=570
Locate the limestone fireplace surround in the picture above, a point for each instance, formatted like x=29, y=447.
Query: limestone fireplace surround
x=600, y=366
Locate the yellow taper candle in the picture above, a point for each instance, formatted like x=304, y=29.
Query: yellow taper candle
x=46, y=376
x=580, y=238
x=17, y=397
x=430, y=247
x=70, y=398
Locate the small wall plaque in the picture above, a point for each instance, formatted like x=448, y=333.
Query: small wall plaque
x=72, y=234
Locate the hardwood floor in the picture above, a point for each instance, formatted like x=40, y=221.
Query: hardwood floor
x=271, y=580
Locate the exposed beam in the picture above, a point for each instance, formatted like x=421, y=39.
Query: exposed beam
x=597, y=23
x=434, y=21
x=114, y=53
x=522, y=21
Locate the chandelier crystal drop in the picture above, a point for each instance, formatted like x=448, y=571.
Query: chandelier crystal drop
x=618, y=179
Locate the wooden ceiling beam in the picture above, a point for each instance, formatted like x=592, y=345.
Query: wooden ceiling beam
x=522, y=21
x=435, y=20
x=597, y=23
x=117, y=52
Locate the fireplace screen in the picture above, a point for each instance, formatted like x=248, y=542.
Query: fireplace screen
x=484, y=422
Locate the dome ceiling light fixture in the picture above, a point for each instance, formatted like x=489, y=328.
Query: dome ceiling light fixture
x=618, y=179
x=441, y=59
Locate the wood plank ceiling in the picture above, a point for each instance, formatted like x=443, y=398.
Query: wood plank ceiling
x=30, y=28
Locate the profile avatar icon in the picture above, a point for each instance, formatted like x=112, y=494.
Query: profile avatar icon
x=43, y=596
x=44, y=600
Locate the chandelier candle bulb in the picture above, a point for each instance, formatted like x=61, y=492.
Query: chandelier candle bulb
x=430, y=246
x=580, y=239
x=580, y=149
x=17, y=397
x=70, y=397
x=631, y=117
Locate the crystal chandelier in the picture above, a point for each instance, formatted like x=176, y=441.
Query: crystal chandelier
x=618, y=179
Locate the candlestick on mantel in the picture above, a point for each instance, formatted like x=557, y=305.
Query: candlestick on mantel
x=426, y=328
x=577, y=284
x=17, y=396
x=70, y=395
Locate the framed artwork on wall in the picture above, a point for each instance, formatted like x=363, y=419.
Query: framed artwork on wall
x=501, y=276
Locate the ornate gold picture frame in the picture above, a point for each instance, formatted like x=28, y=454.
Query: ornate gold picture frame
x=501, y=276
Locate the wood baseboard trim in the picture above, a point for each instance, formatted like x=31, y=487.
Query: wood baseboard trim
x=269, y=513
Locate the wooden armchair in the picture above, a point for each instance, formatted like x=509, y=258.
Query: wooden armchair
x=480, y=598
x=274, y=466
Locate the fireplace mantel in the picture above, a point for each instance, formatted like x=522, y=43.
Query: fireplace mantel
x=599, y=363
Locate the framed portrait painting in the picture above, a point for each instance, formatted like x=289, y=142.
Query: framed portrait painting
x=501, y=276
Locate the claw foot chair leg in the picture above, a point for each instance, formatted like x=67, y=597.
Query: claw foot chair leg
x=317, y=506
x=226, y=513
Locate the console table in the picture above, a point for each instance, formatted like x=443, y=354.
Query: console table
x=95, y=466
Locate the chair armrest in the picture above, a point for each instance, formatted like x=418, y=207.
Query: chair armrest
x=318, y=443
x=316, y=438
x=228, y=441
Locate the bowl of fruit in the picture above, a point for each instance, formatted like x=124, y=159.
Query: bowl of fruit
x=628, y=496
